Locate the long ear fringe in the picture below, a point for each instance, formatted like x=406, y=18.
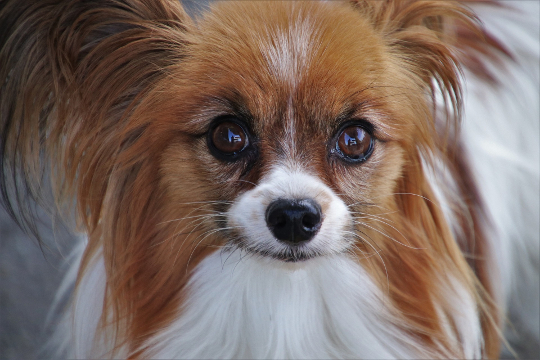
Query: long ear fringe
x=434, y=39
x=71, y=73
x=421, y=34
x=73, y=76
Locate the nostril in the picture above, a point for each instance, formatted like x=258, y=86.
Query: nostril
x=310, y=221
x=293, y=221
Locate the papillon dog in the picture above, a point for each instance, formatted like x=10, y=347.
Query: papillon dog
x=280, y=179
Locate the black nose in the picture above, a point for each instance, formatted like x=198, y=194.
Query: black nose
x=293, y=221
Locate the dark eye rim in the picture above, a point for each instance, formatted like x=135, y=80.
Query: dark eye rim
x=219, y=154
x=367, y=127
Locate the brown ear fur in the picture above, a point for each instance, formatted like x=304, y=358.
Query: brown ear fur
x=423, y=38
x=73, y=78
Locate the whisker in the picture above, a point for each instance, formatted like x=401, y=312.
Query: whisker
x=412, y=194
x=389, y=195
x=369, y=214
x=384, y=221
x=378, y=254
x=191, y=217
x=388, y=236
x=208, y=233
x=356, y=235
x=200, y=220
x=185, y=239
x=365, y=255
x=230, y=254
x=240, y=259
x=209, y=202
x=246, y=181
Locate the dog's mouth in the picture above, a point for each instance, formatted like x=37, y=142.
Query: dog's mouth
x=288, y=254
x=273, y=249
x=291, y=255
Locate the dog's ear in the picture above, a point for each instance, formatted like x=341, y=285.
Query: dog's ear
x=423, y=41
x=428, y=41
x=423, y=34
x=72, y=73
x=76, y=78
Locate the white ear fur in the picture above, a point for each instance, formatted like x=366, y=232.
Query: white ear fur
x=78, y=334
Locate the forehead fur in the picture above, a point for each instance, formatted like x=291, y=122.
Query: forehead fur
x=289, y=38
x=321, y=58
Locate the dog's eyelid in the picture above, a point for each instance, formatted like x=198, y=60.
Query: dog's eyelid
x=359, y=121
x=245, y=123
x=355, y=111
x=232, y=105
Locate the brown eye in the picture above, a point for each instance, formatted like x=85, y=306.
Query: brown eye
x=228, y=138
x=354, y=143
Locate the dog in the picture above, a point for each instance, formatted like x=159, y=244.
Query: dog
x=279, y=179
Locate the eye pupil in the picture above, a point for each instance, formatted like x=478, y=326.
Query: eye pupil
x=355, y=143
x=229, y=138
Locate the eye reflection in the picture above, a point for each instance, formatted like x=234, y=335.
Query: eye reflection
x=229, y=138
x=234, y=138
x=355, y=143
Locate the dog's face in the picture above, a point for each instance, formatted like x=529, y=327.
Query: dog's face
x=293, y=130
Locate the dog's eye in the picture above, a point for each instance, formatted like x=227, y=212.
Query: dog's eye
x=228, y=138
x=354, y=143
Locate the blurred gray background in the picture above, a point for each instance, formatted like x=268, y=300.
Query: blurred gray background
x=29, y=277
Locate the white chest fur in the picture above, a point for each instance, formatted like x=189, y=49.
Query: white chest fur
x=258, y=308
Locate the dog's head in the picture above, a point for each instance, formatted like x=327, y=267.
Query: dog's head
x=298, y=121
x=300, y=130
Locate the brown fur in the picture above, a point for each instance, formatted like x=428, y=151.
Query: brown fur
x=119, y=94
